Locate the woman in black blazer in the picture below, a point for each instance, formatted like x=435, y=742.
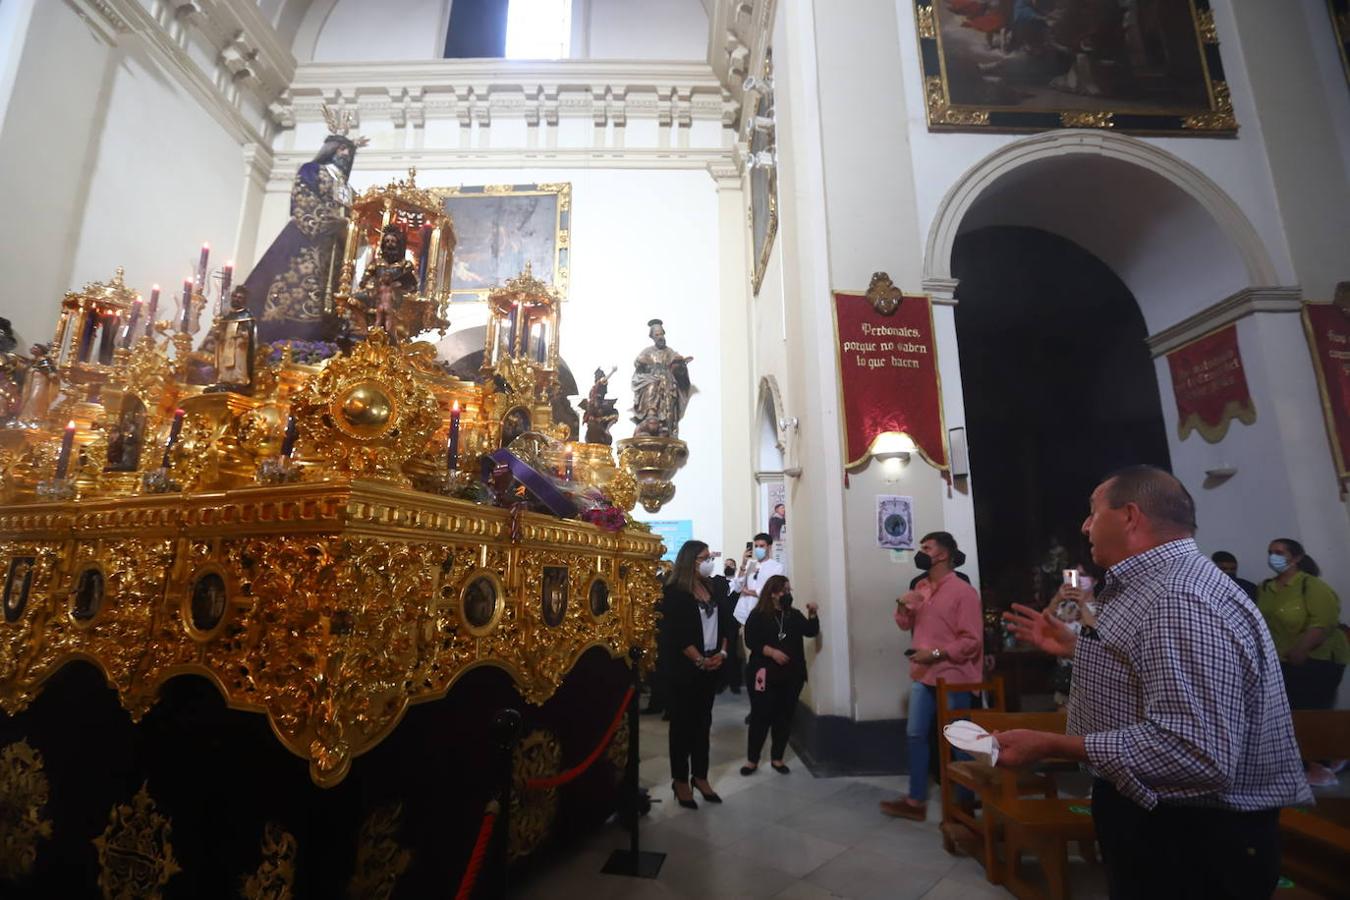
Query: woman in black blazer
x=774, y=635
x=693, y=634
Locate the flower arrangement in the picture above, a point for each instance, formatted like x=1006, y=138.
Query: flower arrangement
x=306, y=353
x=606, y=518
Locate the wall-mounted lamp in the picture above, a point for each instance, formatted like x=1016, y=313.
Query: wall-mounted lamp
x=893, y=463
x=763, y=159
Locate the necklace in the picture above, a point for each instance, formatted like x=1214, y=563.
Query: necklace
x=782, y=626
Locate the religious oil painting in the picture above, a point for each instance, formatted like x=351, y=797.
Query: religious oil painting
x=18, y=581
x=88, y=597
x=480, y=602
x=1138, y=66
x=207, y=607
x=553, y=595
x=598, y=597
x=501, y=229
x=763, y=182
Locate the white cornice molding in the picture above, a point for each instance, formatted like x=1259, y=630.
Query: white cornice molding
x=1245, y=302
x=483, y=90
x=712, y=161
x=941, y=290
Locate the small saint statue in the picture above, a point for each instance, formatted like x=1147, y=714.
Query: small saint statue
x=563, y=413
x=599, y=411
x=236, y=335
x=387, y=279
x=40, y=388
x=661, y=386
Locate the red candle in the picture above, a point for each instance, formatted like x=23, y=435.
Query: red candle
x=173, y=435
x=201, y=266
x=154, y=310
x=187, y=305
x=67, y=441
x=452, y=449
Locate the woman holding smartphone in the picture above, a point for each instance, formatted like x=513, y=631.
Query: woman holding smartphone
x=774, y=634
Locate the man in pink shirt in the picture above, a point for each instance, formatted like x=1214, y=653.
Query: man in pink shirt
x=948, y=643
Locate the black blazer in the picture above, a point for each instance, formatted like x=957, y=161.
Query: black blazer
x=761, y=629
x=682, y=626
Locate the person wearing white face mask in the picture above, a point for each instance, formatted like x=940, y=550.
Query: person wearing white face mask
x=757, y=567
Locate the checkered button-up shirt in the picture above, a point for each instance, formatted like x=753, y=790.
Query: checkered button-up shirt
x=1178, y=690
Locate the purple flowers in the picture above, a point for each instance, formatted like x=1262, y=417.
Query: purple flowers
x=606, y=518
x=303, y=352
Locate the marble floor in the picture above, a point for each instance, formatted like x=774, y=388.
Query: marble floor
x=783, y=836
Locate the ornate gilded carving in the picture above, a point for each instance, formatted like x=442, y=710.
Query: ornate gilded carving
x=23, y=795
x=539, y=755
x=1087, y=119
x=380, y=859
x=924, y=21
x=618, y=746
x=275, y=875
x=653, y=462
x=940, y=110
x=1222, y=118
x=366, y=414
x=882, y=293
x=1204, y=24
x=135, y=857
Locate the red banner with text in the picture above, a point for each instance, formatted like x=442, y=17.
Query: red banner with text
x=1328, y=328
x=1210, y=385
x=888, y=376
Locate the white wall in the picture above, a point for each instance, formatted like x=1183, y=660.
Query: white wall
x=644, y=245
x=357, y=30
x=126, y=169
x=639, y=29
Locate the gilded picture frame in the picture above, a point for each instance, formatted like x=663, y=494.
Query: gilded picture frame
x=1037, y=65
x=763, y=185
x=499, y=228
x=1340, y=28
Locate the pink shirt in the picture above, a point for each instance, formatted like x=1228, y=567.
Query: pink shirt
x=949, y=619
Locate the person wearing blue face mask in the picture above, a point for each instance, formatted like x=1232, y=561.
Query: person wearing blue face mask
x=1304, y=615
x=757, y=567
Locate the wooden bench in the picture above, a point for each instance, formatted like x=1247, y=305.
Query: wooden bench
x=1316, y=851
x=984, y=782
x=1040, y=825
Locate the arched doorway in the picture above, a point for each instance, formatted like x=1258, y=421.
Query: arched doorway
x=1141, y=224
x=1059, y=388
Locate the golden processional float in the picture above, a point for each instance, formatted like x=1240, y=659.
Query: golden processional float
x=364, y=552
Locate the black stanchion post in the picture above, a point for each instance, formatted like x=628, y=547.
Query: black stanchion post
x=505, y=731
x=634, y=862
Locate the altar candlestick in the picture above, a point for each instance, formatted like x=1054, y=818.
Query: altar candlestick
x=173, y=435
x=187, y=305
x=227, y=275
x=567, y=466
x=511, y=335
x=543, y=342
x=67, y=441
x=201, y=266
x=130, y=333
x=452, y=449
x=152, y=312
x=288, y=442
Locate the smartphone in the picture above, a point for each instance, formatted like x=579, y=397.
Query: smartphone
x=749, y=544
x=1072, y=578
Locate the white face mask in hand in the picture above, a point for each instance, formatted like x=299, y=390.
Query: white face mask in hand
x=706, y=567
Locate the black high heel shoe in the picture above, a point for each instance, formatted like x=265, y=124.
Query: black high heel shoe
x=687, y=804
x=710, y=796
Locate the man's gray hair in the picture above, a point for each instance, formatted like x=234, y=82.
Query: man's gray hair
x=1158, y=494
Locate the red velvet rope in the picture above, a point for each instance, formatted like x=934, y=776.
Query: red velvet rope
x=480, y=846
x=543, y=784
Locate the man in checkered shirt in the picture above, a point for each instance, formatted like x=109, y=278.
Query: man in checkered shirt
x=1177, y=706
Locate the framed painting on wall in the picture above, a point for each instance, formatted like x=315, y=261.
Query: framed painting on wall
x=1140, y=66
x=763, y=180
x=499, y=228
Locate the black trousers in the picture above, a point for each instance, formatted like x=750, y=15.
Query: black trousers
x=771, y=711
x=690, y=701
x=1185, y=851
x=1312, y=685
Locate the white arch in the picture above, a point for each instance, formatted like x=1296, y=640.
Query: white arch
x=967, y=190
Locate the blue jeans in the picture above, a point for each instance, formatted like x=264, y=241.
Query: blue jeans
x=922, y=717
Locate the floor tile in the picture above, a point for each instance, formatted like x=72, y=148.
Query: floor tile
x=786, y=850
